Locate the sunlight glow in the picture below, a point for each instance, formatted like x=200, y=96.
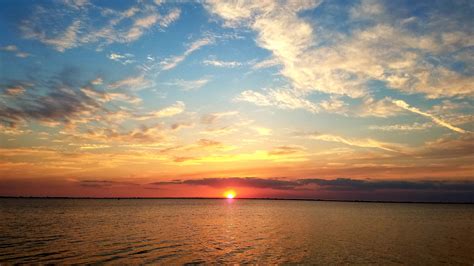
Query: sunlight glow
x=229, y=194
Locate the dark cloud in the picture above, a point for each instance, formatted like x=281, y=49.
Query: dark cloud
x=56, y=99
x=347, y=184
x=342, y=188
x=338, y=184
x=235, y=182
x=104, y=183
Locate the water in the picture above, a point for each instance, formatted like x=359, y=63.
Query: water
x=239, y=231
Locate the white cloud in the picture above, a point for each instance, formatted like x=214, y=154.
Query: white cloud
x=340, y=63
x=171, y=17
x=172, y=62
x=378, y=108
x=84, y=30
x=218, y=63
x=188, y=85
x=363, y=143
x=14, y=49
x=122, y=58
x=402, y=127
x=97, y=81
x=437, y=120
x=281, y=98
x=169, y=111
x=132, y=82
x=66, y=40
x=266, y=63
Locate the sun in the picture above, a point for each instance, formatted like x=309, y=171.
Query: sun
x=230, y=194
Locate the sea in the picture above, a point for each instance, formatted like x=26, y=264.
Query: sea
x=222, y=231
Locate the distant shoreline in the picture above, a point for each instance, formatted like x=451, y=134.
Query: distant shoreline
x=206, y=198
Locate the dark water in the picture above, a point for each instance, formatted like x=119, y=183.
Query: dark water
x=241, y=231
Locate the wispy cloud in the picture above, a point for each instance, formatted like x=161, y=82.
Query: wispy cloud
x=402, y=127
x=14, y=49
x=281, y=98
x=218, y=63
x=133, y=83
x=271, y=62
x=172, y=110
x=122, y=58
x=84, y=30
x=286, y=149
x=188, y=85
x=212, y=118
x=362, y=143
x=66, y=40
x=172, y=62
x=437, y=120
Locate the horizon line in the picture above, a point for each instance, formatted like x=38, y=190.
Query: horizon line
x=246, y=198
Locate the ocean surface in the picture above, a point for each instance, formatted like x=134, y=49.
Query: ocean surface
x=178, y=231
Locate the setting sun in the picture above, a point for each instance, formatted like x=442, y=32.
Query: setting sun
x=229, y=194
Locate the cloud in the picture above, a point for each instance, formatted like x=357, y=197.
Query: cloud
x=13, y=130
x=271, y=62
x=104, y=183
x=290, y=99
x=438, y=121
x=217, y=63
x=362, y=143
x=124, y=59
x=172, y=62
x=347, y=184
x=141, y=134
x=402, y=127
x=14, y=90
x=373, y=107
x=180, y=125
x=84, y=29
x=66, y=40
x=62, y=101
x=188, y=85
x=200, y=145
x=338, y=184
x=171, y=17
x=133, y=83
x=212, y=118
x=97, y=81
x=103, y=96
x=286, y=150
x=449, y=148
x=140, y=25
x=218, y=131
x=233, y=182
x=281, y=98
x=172, y=110
x=376, y=46
x=14, y=49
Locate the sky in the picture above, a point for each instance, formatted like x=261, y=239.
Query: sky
x=349, y=100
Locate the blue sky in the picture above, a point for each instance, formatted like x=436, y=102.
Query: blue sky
x=368, y=90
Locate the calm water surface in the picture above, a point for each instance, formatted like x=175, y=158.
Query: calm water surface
x=239, y=231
